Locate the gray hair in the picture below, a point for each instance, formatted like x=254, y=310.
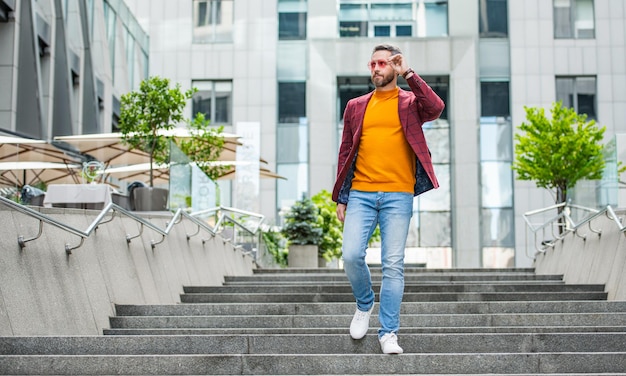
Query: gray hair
x=387, y=47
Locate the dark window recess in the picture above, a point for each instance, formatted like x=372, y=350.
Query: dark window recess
x=587, y=105
x=206, y=12
x=404, y=31
x=291, y=102
x=382, y=31
x=222, y=109
x=6, y=8
x=494, y=99
x=202, y=103
x=291, y=26
x=493, y=22
x=442, y=91
x=578, y=93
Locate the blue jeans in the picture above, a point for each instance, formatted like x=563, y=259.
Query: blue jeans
x=392, y=211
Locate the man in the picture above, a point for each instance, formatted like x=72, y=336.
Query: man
x=383, y=163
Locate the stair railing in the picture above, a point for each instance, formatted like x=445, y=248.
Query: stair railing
x=101, y=219
x=563, y=221
x=240, y=227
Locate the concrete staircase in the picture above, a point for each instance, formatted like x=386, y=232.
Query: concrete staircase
x=295, y=321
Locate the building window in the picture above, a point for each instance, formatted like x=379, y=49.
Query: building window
x=496, y=157
x=291, y=102
x=493, y=19
x=214, y=100
x=578, y=93
x=212, y=21
x=378, y=18
x=292, y=19
x=5, y=9
x=110, y=19
x=497, y=214
x=291, y=26
x=292, y=161
x=494, y=99
x=574, y=19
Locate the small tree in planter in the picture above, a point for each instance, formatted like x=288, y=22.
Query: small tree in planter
x=145, y=116
x=147, y=112
x=303, y=233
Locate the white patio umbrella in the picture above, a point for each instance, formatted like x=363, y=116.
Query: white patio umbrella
x=18, y=174
x=31, y=161
x=141, y=172
x=20, y=149
x=109, y=149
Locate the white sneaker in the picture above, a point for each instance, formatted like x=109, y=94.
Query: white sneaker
x=360, y=323
x=389, y=344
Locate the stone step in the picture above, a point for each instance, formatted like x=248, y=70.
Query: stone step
x=346, y=288
x=305, y=344
x=408, y=269
x=343, y=331
x=324, y=364
x=289, y=322
x=375, y=282
x=408, y=297
x=419, y=277
x=343, y=321
x=347, y=308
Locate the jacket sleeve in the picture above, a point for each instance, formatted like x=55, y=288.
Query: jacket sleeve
x=346, y=138
x=343, y=180
x=429, y=105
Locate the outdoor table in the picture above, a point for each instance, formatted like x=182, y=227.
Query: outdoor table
x=81, y=196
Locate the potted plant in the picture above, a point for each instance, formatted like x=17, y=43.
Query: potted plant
x=303, y=234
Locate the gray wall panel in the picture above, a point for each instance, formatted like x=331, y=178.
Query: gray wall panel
x=61, y=108
x=28, y=113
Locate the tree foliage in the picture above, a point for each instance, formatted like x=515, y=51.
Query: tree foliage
x=275, y=244
x=556, y=153
x=332, y=228
x=156, y=107
x=205, y=145
x=301, y=223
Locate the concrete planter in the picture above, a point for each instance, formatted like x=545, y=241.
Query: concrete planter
x=302, y=256
x=150, y=199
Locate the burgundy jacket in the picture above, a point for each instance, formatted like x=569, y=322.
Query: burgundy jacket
x=415, y=107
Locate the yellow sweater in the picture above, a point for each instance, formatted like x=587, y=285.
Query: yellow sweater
x=385, y=162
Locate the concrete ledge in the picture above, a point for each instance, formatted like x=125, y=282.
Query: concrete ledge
x=44, y=291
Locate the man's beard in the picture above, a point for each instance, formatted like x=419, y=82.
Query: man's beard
x=382, y=81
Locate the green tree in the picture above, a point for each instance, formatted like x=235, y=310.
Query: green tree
x=146, y=112
x=556, y=153
x=156, y=107
x=301, y=223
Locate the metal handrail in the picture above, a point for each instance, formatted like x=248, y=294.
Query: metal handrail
x=570, y=225
x=225, y=214
x=111, y=207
